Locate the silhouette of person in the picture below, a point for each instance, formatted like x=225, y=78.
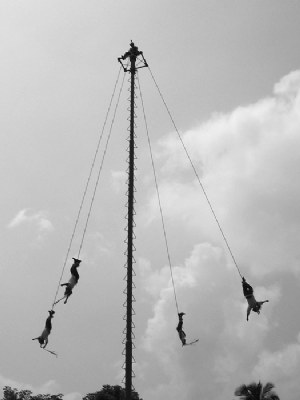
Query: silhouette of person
x=72, y=281
x=43, y=338
x=252, y=303
x=181, y=333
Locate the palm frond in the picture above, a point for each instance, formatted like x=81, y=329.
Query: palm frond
x=256, y=391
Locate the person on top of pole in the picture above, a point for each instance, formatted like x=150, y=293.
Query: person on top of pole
x=72, y=281
x=252, y=303
x=43, y=338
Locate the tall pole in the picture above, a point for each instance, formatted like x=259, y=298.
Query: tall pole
x=132, y=54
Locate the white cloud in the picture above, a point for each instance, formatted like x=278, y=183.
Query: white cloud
x=288, y=86
x=248, y=162
x=18, y=219
x=207, y=290
x=194, y=286
x=284, y=362
x=282, y=367
x=38, y=219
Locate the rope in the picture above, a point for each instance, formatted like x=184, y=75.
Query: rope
x=101, y=166
x=158, y=196
x=86, y=188
x=196, y=174
x=52, y=352
x=192, y=342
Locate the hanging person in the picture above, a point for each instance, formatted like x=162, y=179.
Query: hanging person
x=43, y=338
x=252, y=303
x=181, y=333
x=72, y=281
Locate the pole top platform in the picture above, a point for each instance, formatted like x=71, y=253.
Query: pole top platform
x=133, y=53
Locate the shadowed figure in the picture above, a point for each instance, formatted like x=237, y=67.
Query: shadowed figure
x=181, y=333
x=43, y=338
x=72, y=281
x=252, y=303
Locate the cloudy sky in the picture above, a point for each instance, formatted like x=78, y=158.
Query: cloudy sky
x=230, y=73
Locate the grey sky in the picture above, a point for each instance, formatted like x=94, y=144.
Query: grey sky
x=229, y=71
